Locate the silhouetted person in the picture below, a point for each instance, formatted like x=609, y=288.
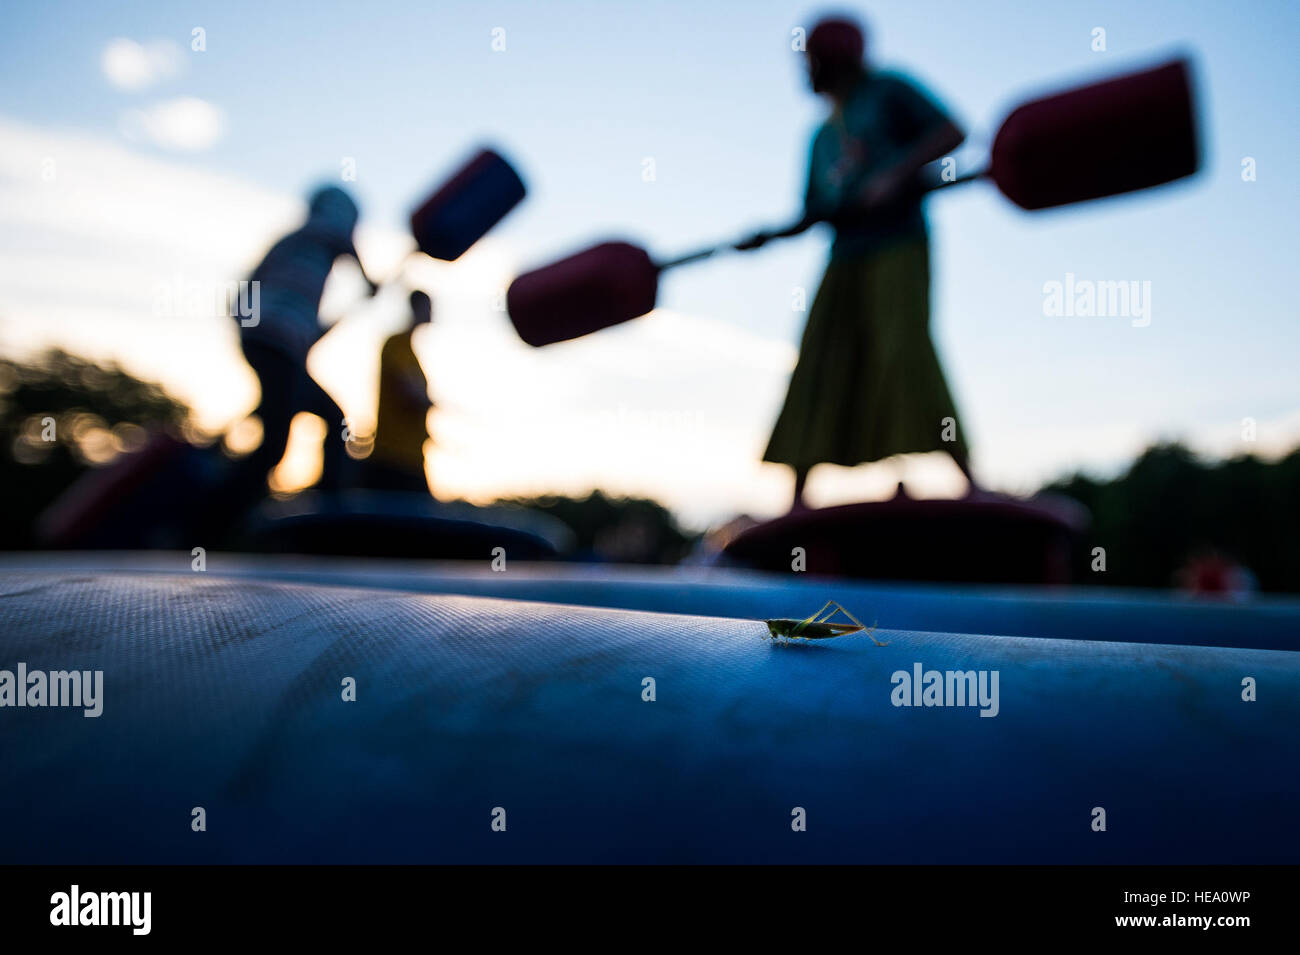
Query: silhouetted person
x=868, y=384
x=291, y=279
x=401, y=429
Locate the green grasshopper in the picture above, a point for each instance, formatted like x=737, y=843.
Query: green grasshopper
x=819, y=626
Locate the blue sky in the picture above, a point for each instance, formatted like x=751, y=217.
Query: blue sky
x=585, y=92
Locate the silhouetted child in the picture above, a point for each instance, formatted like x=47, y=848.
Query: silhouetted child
x=276, y=341
x=868, y=384
x=401, y=429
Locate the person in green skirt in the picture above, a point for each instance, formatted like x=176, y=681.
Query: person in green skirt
x=868, y=383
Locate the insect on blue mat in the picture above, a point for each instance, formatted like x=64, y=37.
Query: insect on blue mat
x=819, y=626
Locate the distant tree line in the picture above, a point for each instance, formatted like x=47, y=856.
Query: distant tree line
x=1170, y=506
x=626, y=530
x=61, y=414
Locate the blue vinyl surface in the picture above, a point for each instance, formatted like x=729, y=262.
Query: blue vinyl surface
x=1077, y=613
x=223, y=691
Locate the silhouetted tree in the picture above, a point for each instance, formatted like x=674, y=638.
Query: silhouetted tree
x=620, y=529
x=59, y=415
x=1170, y=505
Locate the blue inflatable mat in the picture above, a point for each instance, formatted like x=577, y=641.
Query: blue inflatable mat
x=1068, y=613
x=226, y=694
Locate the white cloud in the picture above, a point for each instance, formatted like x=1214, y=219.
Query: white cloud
x=185, y=123
x=89, y=251
x=130, y=65
x=102, y=193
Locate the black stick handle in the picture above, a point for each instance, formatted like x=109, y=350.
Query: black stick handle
x=696, y=256
x=924, y=186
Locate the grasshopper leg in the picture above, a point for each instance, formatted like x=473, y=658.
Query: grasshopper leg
x=798, y=627
x=868, y=630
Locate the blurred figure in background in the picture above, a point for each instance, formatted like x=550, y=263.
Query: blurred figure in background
x=401, y=429
x=276, y=340
x=868, y=383
x=1210, y=573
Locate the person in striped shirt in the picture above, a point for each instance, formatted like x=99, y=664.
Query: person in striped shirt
x=275, y=341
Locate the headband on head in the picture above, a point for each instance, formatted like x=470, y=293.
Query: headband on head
x=836, y=41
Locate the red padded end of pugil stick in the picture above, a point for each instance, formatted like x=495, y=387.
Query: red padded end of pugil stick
x=593, y=289
x=1105, y=139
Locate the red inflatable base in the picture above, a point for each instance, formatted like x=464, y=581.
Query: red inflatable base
x=986, y=538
